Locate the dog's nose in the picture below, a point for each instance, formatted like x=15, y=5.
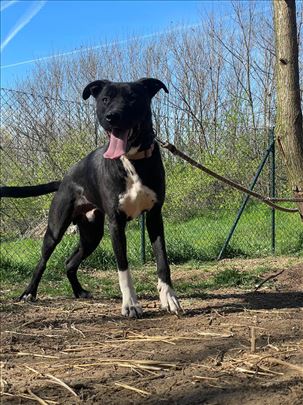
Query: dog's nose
x=112, y=117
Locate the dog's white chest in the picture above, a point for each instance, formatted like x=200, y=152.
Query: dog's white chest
x=137, y=197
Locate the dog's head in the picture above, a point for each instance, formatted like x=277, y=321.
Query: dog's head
x=124, y=111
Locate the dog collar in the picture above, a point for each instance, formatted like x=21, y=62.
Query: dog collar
x=143, y=154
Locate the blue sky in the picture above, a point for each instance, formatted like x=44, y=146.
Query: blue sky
x=36, y=29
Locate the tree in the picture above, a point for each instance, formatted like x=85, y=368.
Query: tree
x=289, y=129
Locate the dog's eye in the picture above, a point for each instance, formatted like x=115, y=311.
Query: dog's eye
x=105, y=100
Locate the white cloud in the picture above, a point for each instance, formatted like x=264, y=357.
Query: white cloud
x=105, y=45
x=6, y=4
x=24, y=20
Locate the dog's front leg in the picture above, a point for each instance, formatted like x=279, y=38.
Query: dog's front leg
x=130, y=305
x=155, y=229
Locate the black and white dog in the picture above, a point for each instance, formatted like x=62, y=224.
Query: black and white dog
x=121, y=180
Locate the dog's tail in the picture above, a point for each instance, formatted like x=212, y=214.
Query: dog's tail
x=29, y=191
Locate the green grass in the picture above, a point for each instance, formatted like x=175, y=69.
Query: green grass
x=194, y=241
x=189, y=281
x=201, y=238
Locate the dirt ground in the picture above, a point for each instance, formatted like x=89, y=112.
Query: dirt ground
x=60, y=351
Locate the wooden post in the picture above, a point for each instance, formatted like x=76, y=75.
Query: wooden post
x=289, y=132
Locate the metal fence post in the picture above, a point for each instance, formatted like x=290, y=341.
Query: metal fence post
x=245, y=201
x=272, y=187
x=143, y=242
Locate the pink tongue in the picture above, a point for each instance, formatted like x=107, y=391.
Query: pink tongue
x=117, y=146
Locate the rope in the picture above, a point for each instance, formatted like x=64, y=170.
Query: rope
x=172, y=148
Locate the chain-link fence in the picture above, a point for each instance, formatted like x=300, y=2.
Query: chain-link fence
x=42, y=137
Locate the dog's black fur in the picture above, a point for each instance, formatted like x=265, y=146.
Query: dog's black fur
x=93, y=188
x=29, y=191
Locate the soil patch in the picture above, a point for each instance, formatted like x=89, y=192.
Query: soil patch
x=72, y=351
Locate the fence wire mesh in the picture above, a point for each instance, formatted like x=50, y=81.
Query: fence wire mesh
x=42, y=137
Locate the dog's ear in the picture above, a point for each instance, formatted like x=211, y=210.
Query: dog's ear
x=93, y=88
x=152, y=86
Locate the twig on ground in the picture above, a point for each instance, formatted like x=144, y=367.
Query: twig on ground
x=273, y=347
x=32, y=334
x=282, y=363
x=54, y=380
x=37, y=355
x=129, y=387
x=214, y=334
x=35, y=397
x=150, y=366
x=252, y=339
x=48, y=401
x=60, y=382
x=33, y=370
x=258, y=286
x=252, y=372
x=267, y=370
x=200, y=377
x=77, y=330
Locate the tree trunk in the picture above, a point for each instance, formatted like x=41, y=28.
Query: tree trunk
x=289, y=130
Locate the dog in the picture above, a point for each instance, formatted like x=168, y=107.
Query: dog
x=120, y=180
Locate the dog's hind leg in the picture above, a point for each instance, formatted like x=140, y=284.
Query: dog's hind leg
x=49, y=244
x=91, y=228
x=154, y=224
x=60, y=216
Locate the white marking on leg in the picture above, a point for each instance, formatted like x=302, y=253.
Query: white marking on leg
x=130, y=305
x=168, y=298
x=27, y=298
x=90, y=215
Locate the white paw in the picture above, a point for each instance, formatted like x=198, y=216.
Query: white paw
x=131, y=309
x=28, y=298
x=168, y=298
x=130, y=305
